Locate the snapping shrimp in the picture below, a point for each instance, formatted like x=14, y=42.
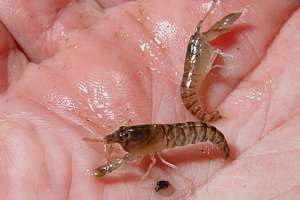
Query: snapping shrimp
x=151, y=139
x=199, y=60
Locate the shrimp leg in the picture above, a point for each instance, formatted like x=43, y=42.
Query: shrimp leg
x=153, y=162
x=166, y=162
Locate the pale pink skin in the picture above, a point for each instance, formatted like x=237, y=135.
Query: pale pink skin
x=84, y=61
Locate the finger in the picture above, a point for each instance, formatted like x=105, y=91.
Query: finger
x=39, y=27
x=247, y=47
x=31, y=142
x=266, y=112
x=12, y=60
x=269, y=97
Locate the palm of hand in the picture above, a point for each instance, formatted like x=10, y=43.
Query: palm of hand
x=126, y=63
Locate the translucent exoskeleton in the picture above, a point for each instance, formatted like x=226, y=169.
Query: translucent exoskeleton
x=199, y=60
x=149, y=139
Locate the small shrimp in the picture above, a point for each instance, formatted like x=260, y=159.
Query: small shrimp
x=149, y=139
x=199, y=60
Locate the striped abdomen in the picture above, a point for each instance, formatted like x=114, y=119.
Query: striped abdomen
x=193, y=132
x=198, y=62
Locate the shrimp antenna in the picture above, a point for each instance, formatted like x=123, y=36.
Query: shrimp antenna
x=93, y=139
x=206, y=15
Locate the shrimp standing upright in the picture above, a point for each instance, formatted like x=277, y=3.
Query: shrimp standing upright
x=151, y=139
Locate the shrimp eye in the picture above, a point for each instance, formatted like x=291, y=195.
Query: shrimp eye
x=125, y=135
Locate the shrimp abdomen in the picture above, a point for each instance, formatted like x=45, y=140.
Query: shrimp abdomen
x=181, y=134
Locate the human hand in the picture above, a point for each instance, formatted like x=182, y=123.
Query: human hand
x=84, y=62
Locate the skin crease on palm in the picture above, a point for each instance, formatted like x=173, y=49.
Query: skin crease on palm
x=77, y=69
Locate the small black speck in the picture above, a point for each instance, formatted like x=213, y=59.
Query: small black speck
x=162, y=184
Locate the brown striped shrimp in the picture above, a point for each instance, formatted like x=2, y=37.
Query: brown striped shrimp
x=199, y=60
x=151, y=139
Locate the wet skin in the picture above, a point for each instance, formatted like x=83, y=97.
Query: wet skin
x=63, y=63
